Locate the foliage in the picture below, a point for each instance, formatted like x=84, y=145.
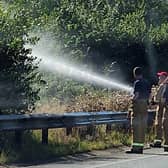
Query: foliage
x=89, y=101
x=62, y=88
x=59, y=145
x=125, y=31
x=93, y=32
x=17, y=71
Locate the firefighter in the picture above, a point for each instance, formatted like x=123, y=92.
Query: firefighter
x=139, y=119
x=162, y=110
x=165, y=120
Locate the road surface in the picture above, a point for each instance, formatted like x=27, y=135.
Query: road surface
x=111, y=158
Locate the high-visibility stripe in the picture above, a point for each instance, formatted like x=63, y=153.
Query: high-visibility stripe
x=157, y=140
x=138, y=144
x=166, y=146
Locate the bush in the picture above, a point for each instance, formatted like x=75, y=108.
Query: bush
x=18, y=72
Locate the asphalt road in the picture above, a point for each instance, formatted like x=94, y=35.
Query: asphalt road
x=112, y=158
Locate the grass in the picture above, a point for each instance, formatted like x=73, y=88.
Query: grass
x=32, y=150
x=89, y=102
x=59, y=143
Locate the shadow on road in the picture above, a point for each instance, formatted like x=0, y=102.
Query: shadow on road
x=98, y=156
x=76, y=158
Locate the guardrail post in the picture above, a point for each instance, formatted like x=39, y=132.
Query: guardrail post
x=91, y=130
x=45, y=136
x=18, y=138
x=68, y=131
x=108, y=128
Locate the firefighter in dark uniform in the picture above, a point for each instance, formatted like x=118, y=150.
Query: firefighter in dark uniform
x=140, y=103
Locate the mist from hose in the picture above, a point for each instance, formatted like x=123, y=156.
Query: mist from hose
x=150, y=49
x=49, y=62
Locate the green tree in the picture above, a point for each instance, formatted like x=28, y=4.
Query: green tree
x=98, y=32
x=18, y=72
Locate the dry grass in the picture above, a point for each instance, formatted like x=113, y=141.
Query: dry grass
x=51, y=106
x=90, y=102
x=115, y=101
x=79, y=140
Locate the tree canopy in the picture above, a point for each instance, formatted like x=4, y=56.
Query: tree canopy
x=18, y=74
x=92, y=32
x=131, y=32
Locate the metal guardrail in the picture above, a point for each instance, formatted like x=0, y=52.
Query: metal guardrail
x=67, y=120
x=39, y=121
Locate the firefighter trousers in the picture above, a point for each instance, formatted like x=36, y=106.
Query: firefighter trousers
x=165, y=126
x=139, y=122
x=161, y=123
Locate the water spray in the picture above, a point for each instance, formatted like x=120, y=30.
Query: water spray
x=81, y=75
x=52, y=65
x=49, y=62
